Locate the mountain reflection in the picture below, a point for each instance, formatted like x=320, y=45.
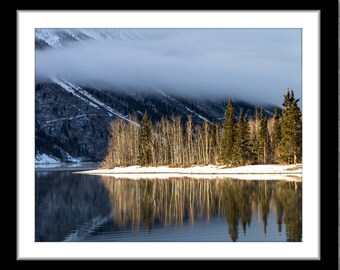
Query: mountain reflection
x=178, y=200
x=63, y=201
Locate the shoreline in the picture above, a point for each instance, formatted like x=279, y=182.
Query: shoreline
x=250, y=172
x=66, y=166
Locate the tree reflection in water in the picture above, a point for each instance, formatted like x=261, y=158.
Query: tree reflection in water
x=177, y=200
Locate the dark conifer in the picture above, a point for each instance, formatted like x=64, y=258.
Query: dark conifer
x=228, y=134
x=263, y=140
x=237, y=157
x=246, y=151
x=241, y=149
x=276, y=134
x=145, y=139
x=290, y=146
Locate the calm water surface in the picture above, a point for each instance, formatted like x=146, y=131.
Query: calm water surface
x=76, y=207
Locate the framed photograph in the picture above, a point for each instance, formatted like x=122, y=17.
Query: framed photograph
x=169, y=135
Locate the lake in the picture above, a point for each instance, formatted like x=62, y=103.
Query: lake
x=78, y=207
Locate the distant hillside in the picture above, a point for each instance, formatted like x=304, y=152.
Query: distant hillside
x=72, y=123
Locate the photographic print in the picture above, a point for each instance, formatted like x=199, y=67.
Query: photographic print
x=168, y=135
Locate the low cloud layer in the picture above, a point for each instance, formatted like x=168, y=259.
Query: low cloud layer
x=252, y=65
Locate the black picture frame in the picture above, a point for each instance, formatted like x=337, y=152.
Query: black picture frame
x=328, y=14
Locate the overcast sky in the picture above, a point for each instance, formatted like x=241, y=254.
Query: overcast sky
x=255, y=65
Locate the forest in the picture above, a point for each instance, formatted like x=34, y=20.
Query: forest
x=237, y=141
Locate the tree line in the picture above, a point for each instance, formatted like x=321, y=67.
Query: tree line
x=237, y=141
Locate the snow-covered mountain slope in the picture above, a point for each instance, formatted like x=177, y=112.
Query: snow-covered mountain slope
x=45, y=159
x=59, y=38
x=72, y=122
x=89, y=99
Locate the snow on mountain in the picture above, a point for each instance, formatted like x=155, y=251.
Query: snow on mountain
x=73, y=122
x=42, y=158
x=45, y=159
x=58, y=38
x=50, y=38
x=88, y=98
x=198, y=115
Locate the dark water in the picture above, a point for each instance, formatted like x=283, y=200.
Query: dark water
x=76, y=207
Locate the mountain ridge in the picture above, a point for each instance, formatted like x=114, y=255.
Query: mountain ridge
x=72, y=122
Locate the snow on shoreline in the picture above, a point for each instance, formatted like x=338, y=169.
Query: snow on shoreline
x=46, y=159
x=165, y=176
x=251, y=172
x=49, y=161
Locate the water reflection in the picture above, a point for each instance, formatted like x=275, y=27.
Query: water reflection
x=178, y=200
x=64, y=202
x=76, y=207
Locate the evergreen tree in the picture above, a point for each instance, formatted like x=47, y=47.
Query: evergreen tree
x=263, y=140
x=237, y=147
x=145, y=140
x=241, y=149
x=228, y=134
x=276, y=134
x=290, y=146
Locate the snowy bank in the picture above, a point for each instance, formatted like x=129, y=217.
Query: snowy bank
x=251, y=172
x=49, y=161
x=46, y=159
